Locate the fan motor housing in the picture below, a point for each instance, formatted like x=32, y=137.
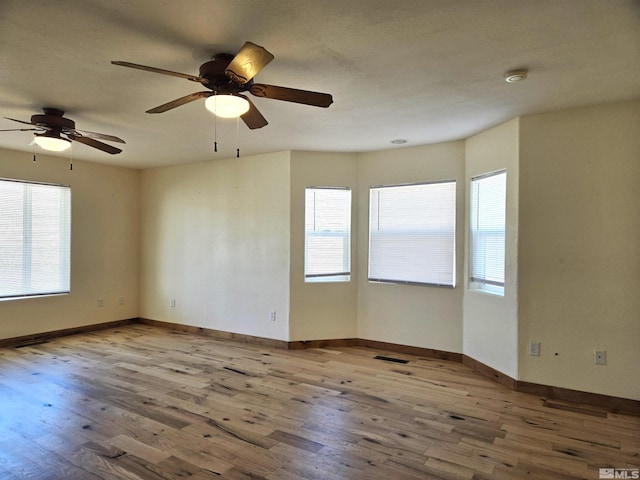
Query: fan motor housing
x=53, y=118
x=218, y=81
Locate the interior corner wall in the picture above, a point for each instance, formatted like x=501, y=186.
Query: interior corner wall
x=221, y=239
x=321, y=310
x=104, y=246
x=490, y=332
x=421, y=316
x=215, y=245
x=579, y=254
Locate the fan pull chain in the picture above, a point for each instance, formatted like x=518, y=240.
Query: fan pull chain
x=71, y=158
x=34, y=148
x=215, y=133
x=238, y=137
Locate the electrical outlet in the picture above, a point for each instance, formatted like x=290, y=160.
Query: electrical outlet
x=172, y=303
x=100, y=302
x=120, y=300
x=534, y=348
x=600, y=357
x=272, y=316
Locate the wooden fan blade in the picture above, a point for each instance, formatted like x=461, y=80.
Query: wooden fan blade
x=193, y=78
x=247, y=63
x=180, y=101
x=21, y=130
x=305, y=97
x=253, y=118
x=19, y=121
x=101, y=136
x=95, y=144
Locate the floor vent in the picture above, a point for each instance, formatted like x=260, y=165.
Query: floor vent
x=235, y=371
x=390, y=359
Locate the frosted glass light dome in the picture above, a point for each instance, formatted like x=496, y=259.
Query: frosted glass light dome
x=227, y=106
x=52, y=143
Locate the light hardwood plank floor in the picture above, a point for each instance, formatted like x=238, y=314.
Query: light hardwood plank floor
x=141, y=402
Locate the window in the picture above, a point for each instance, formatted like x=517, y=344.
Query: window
x=34, y=239
x=412, y=234
x=327, y=237
x=486, y=232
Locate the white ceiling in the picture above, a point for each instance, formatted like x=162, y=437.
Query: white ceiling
x=423, y=70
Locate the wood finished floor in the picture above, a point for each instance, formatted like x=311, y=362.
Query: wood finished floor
x=140, y=402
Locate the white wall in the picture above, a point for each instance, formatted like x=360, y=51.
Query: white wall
x=104, y=246
x=224, y=239
x=579, y=248
x=490, y=333
x=421, y=316
x=325, y=310
x=215, y=237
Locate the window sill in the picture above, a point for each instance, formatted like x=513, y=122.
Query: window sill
x=328, y=280
x=486, y=292
x=26, y=297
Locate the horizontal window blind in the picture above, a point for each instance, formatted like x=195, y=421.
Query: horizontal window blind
x=412, y=233
x=487, y=231
x=327, y=234
x=35, y=238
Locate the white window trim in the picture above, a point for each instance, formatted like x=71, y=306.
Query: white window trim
x=343, y=276
x=373, y=279
x=64, y=253
x=484, y=286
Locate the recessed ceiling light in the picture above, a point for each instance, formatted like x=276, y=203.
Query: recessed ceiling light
x=398, y=141
x=515, y=76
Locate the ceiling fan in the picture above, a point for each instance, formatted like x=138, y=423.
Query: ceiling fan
x=226, y=76
x=55, y=132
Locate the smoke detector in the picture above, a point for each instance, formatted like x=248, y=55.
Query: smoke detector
x=515, y=76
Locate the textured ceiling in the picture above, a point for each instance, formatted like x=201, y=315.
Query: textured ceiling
x=423, y=70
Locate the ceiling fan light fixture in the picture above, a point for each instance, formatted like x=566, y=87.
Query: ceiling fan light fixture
x=227, y=106
x=51, y=142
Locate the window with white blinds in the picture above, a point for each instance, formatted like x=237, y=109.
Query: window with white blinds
x=412, y=234
x=487, y=232
x=327, y=234
x=35, y=238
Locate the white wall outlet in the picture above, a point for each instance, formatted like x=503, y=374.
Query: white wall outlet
x=600, y=357
x=120, y=300
x=172, y=303
x=272, y=315
x=100, y=302
x=534, y=348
